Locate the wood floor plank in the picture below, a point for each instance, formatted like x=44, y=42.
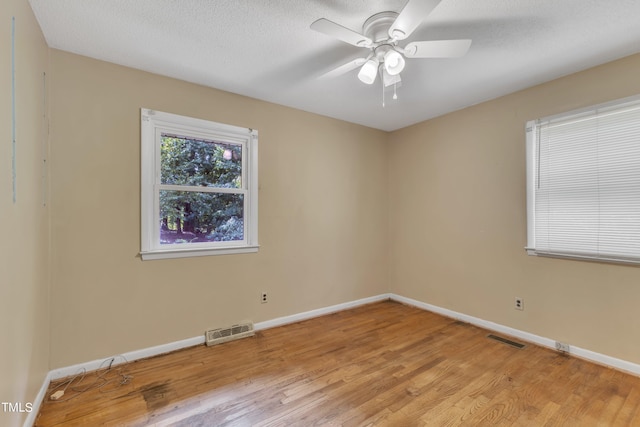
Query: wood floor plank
x=629, y=408
x=383, y=364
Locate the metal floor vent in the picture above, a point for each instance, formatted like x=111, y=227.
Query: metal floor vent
x=234, y=332
x=506, y=341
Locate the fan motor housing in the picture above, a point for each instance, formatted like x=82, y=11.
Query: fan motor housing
x=376, y=27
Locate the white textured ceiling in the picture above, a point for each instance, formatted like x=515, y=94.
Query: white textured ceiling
x=265, y=49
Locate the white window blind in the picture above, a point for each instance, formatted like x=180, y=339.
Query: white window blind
x=584, y=183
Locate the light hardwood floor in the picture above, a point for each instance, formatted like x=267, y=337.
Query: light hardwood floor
x=384, y=364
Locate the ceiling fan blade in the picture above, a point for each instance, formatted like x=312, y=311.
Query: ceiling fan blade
x=345, y=68
x=437, y=49
x=411, y=16
x=332, y=29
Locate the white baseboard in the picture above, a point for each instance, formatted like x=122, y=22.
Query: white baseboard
x=592, y=356
x=125, y=357
x=318, y=312
x=31, y=416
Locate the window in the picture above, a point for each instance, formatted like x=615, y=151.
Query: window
x=583, y=183
x=199, y=187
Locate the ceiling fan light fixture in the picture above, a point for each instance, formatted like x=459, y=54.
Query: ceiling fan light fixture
x=380, y=34
x=393, y=62
x=388, y=79
x=368, y=72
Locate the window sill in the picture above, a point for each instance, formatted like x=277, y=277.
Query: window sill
x=592, y=258
x=188, y=253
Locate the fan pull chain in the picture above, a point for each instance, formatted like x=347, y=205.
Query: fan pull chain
x=395, y=95
x=382, y=95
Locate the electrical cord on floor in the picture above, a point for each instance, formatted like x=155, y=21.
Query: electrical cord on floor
x=106, y=374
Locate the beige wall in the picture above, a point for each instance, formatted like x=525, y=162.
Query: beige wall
x=458, y=223
x=24, y=263
x=322, y=216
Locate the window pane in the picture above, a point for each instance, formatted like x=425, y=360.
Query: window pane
x=202, y=163
x=192, y=217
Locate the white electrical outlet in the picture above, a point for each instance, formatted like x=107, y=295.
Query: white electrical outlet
x=263, y=297
x=519, y=304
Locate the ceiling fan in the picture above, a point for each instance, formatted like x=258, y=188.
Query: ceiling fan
x=381, y=34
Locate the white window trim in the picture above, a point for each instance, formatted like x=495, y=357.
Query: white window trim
x=532, y=160
x=531, y=129
x=151, y=123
